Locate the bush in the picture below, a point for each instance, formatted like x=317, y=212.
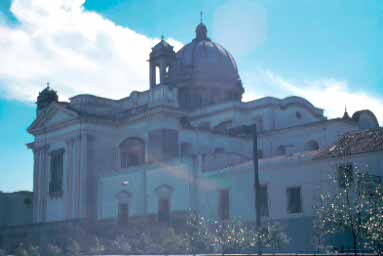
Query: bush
x=121, y=245
x=2, y=253
x=234, y=237
x=72, y=248
x=21, y=251
x=145, y=245
x=198, y=238
x=33, y=250
x=54, y=250
x=173, y=243
x=96, y=246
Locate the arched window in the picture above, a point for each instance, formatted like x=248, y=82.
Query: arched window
x=132, y=152
x=281, y=150
x=123, y=199
x=311, y=145
x=158, y=79
x=164, y=193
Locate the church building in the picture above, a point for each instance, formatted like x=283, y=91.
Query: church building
x=159, y=152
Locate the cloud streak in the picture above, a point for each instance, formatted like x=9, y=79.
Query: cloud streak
x=76, y=50
x=330, y=94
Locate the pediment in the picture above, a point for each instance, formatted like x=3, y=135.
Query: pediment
x=54, y=115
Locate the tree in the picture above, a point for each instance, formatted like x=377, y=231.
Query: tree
x=54, y=250
x=344, y=210
x=72, y=248
x=173, y=243
x=21, y=250
x=33, y=250
x=145, y=245
x=234, y=237
x=198, y=237
x=272, y=236
x=374, y=224
x=96, y=246
x=121, y=245
x=2, y=252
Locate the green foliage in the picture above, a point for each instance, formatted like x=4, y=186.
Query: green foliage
x=374, y=224
x=96, y=246
x=72, y=248
x=198, y=238
x=234, y=237
x=346, y=210
x=33, y=250
x=21, y=250
x=272, y=236
x=173, y=243
x=145, y=245
x=2, y=252
x=54, y=250
x=121, y=245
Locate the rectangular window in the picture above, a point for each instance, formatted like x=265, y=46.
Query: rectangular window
x=224, y=205
x=56, y=173
x=345, y=175
x=164, y=210
x=123, y=213
x=294, y=200
x=263, y=199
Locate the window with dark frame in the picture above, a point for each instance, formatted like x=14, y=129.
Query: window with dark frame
x=224, y=205
x=123, y=213
x=56, y=173
x=132, y=152
x=294, y=200
x=164, y=210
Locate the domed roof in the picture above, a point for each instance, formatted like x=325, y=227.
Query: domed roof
x=205, y=61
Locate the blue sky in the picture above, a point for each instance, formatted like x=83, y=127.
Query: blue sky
x=326, y=51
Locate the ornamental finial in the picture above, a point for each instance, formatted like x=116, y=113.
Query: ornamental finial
x=162, y=37
x=201, y=15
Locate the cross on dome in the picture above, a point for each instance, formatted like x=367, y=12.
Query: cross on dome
x=201, y=31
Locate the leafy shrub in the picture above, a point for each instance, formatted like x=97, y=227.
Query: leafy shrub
x=145, y=245
x=121, y=245
x=21, y=251
x=54, y=250
x=173, y=243
x=2, y=253
x=96, y=246
x=234, y=237
x=72, y=248
x=199, y=240
x=33, y=250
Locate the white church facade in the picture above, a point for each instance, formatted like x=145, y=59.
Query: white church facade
x=162, y=151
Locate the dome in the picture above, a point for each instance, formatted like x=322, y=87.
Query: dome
x=207, y=62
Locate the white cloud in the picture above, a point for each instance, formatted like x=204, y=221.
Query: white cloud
x=76, y=50
x=330, y=94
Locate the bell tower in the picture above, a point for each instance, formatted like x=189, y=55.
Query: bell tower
x=162, y=58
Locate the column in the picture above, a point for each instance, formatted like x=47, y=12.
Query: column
x=45, y=183
x=77, y=173
x=35, y=182
x=83, y=175
x=69, y=179
x=152, y=74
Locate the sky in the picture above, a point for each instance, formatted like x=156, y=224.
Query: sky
x=327, y=51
